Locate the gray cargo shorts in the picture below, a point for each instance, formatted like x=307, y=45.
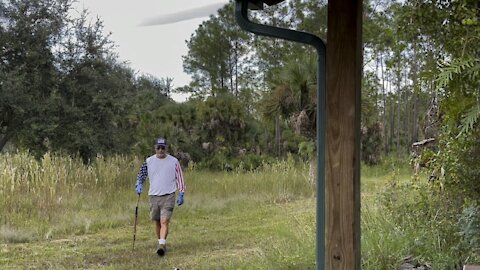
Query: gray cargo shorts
x=162, y=206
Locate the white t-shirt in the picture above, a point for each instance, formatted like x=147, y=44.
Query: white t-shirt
x=165, y=175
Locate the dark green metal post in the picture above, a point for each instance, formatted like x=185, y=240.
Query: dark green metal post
x=321, y=123
x=241, y=14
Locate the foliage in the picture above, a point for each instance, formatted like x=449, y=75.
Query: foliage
x=466, y=68
x=61, y=196
x=370, y=95
x=175, y=122
x=294, y=99
x=217, y=129
x=306, y=149
x=94, y=104
x=456, y=165
x=29, y=31
x=414, y=218
x=371, y=128
x=241, y=163
x=458, y=83
x=271, y=52
x=46, y=186
x=470, y=118
x=399, y=217
x=217, y=54
x=64, y=89
x=371, y=144
x=469, y=224
x=222, y=119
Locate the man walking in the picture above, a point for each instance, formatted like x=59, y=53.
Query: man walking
x=165, y=175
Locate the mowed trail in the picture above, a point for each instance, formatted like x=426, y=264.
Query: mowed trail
x=239, y=235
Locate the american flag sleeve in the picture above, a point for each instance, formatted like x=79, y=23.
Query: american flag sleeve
x=142, y=174
x=179, y=178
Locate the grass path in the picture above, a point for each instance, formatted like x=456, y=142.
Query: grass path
x=233, y=235
x=239, y=220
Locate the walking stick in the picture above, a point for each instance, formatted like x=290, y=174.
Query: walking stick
x=135, y=223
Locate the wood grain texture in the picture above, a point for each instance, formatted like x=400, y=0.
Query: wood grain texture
x=344, y=69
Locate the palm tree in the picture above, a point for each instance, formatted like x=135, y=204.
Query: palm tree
x=293, y=97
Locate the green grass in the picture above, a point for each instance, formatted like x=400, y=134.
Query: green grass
x=61, y=214
x=235, y=235
x=238, y=220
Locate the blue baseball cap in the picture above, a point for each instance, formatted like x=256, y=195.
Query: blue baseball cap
x=161, y=142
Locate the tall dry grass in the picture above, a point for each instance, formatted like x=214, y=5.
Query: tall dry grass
x=59, y=194
x=40, y=191
x=282, y=181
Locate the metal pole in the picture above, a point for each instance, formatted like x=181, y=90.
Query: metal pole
x=241, y=14
x=321, y=123
x=135, y=223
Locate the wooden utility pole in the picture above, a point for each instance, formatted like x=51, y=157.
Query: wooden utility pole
x=344, y=72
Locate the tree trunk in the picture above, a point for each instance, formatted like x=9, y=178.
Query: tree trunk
x=377, y=60
x=407, y=111
x=415, y=117
x=278, y=135
x=416, y=90
x=399, y=101
x=5, y=138
x=312, y=173
x=232, y=63
x=385, y=140
x=236, y=68
x=392, y=120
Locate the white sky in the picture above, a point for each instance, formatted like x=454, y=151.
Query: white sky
x=155, y=50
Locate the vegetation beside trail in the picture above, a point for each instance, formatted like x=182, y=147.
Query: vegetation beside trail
x=411, y=220
x=236, y=220
x=262, y=219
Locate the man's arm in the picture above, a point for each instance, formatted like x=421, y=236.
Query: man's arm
x=179, y=178
x=180, y=183
x=142, y=175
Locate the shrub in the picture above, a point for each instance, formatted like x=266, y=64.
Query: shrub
x=422, y=222
x=469, y=224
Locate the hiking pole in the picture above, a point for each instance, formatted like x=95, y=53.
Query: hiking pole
x=135, y=223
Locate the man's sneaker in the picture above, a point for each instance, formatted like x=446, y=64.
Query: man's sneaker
x=162, y=249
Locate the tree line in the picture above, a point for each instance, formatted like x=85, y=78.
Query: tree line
x=63, y=87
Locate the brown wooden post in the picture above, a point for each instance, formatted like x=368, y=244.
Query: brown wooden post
x=344, y=71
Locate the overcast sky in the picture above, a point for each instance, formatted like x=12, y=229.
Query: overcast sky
x=155, y=50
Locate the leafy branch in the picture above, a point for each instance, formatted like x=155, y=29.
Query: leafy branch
x=464, y=68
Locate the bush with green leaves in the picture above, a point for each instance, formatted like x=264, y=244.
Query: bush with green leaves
x=469, y=224
x=456, y=165
x=420, y=219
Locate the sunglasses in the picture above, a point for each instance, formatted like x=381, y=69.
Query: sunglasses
x=160, y=147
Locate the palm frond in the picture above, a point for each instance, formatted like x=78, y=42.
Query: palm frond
x=469, y=68
x=470, y=118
